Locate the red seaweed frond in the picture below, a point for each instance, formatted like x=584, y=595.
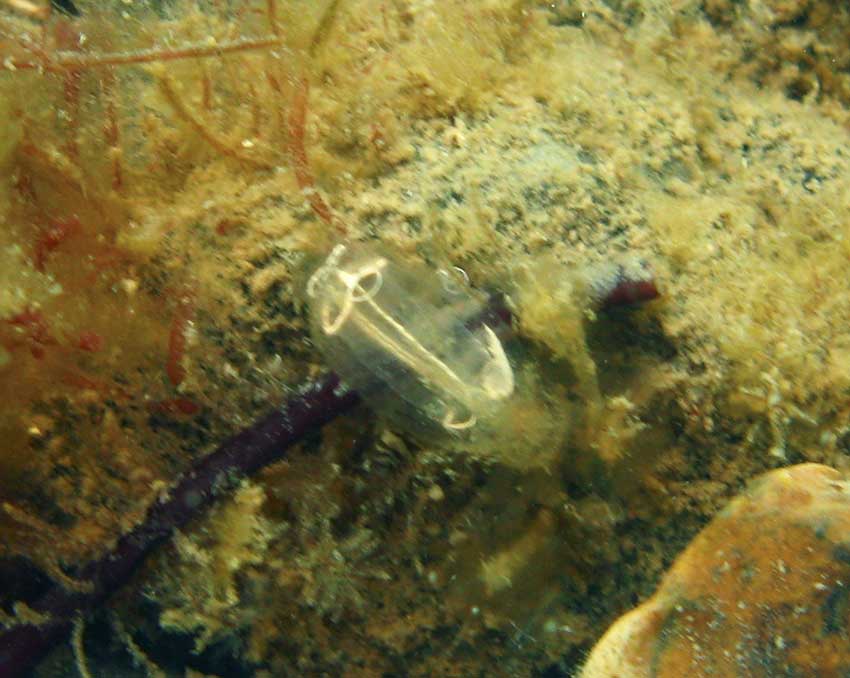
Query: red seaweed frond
x=53, y=236
x=250, y=70
x=177, y=338
x=31, y=330
x=298, y=151
x=77, y=50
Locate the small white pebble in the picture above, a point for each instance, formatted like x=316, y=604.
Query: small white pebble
x=435, y=493
x=275, y=365
x=191, y=333
x=778, y=452
x=129, y=286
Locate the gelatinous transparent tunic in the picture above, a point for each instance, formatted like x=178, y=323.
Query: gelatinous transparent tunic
x=409, y=337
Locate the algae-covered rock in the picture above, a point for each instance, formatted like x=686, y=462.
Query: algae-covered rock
x=761, y=591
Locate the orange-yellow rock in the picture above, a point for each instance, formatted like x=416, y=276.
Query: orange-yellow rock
x=762, y=592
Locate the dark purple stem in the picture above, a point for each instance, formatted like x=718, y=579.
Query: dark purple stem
x=264, y=443
x=625, y=283
x=630, y=292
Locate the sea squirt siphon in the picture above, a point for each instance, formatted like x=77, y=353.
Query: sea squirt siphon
x=408, y=339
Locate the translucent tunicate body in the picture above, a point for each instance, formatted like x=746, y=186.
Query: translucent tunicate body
x=409, y=339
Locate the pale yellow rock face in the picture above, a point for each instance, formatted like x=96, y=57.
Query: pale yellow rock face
x=763, y=590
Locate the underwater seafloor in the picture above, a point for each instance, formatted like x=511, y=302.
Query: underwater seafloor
x=170, y=173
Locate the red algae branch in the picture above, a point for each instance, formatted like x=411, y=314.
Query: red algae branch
x=62, y=60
